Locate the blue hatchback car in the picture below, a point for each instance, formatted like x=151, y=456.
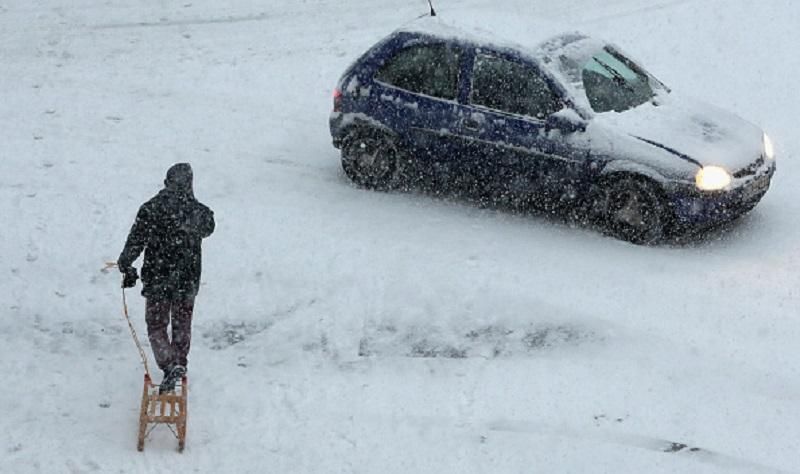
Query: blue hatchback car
x=569, y=123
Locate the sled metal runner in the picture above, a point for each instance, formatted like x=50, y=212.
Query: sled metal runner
x=168, y=408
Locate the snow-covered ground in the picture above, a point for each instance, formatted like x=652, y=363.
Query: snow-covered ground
x=323, y=306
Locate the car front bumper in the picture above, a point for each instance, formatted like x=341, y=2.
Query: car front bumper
x=695, y=208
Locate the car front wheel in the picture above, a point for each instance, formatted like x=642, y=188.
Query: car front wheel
x=633, y=209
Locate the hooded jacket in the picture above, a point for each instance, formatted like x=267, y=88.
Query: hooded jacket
x=170, y=228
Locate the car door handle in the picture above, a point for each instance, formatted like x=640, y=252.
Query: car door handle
x=471, y=124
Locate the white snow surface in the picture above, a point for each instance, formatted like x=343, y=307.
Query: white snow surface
x=323, y=306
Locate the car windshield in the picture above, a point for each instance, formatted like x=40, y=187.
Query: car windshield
x=614, y=82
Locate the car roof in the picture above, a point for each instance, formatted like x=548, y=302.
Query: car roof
x=529, y=37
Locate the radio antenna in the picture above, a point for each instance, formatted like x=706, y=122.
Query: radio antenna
x=433, y=12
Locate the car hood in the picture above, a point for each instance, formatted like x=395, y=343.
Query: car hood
x=691, y=130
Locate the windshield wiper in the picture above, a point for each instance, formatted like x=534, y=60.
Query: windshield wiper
x=618, y=78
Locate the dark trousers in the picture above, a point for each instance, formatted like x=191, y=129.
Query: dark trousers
x=169, y=351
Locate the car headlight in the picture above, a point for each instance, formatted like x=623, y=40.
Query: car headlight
x=769, y=148
x=712, y=178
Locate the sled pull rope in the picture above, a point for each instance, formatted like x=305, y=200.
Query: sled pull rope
x=133, y=334
x=108, y=266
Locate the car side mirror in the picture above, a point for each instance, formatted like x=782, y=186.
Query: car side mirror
x=565, y=121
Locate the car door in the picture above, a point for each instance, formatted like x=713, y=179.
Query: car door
x=511, y=152
x=417, y=92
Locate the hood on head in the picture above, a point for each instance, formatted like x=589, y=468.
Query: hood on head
x=179, y=177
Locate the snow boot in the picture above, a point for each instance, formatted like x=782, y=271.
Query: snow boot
x=171, y=377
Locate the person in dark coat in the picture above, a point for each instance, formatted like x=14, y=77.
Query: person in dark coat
x=169, y=228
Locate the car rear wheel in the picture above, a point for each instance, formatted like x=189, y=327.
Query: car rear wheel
x=634, y=210
x=370, y=160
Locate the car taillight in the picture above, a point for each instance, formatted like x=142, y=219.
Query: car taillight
x=337, y=100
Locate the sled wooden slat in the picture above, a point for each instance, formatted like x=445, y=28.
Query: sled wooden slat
x=169, y=409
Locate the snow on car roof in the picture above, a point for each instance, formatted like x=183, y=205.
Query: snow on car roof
x=526, y=35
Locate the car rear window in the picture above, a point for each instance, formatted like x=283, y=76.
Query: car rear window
x=424, y=69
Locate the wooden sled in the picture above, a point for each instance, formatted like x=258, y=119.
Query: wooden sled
x=168, y=408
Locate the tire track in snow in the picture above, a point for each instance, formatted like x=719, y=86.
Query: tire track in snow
x=278, y=16
x=232, y=19
x=646, y=442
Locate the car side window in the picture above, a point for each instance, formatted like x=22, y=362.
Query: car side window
x=512, y=87
x=425, y=69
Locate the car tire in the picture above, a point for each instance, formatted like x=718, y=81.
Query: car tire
x=370, y=160
x=634, y=209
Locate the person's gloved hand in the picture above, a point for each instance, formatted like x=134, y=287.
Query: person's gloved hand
x=129, y=277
